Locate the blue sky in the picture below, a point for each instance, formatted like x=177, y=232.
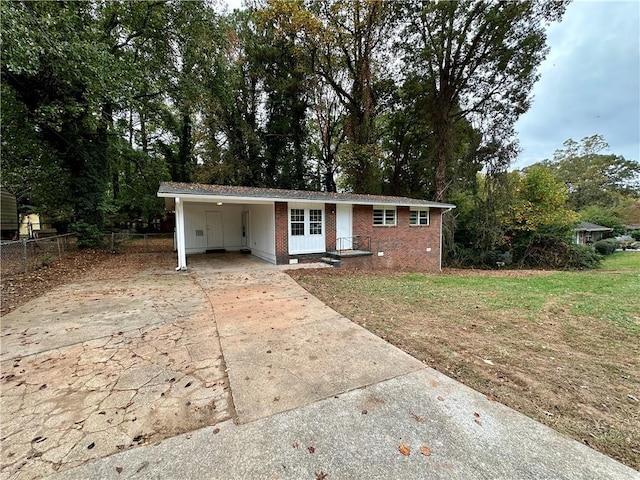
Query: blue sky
x=590, y=82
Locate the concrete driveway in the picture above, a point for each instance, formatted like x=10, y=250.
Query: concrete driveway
x=315, y=395
x=102, y=365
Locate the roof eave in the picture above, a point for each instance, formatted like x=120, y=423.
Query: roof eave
x=251, y=199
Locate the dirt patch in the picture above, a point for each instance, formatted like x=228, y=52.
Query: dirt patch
x=578, y=374
x=18, y=289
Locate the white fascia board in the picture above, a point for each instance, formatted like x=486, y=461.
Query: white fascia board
x=263, y=200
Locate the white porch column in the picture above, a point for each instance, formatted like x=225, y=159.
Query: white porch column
x=180, y=240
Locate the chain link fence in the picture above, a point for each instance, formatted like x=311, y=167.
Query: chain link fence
x=25, y=255
x=124, y=242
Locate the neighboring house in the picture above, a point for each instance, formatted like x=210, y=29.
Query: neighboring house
x=291, y=226
x=587, y=233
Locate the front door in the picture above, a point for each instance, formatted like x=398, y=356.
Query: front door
x=344, y=229
x=215, y=238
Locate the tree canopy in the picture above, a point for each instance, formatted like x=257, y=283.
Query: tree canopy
x=103, y=100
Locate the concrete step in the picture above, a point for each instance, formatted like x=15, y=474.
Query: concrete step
x=334, y=262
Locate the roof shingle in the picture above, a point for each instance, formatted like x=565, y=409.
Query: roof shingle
x=176, y=189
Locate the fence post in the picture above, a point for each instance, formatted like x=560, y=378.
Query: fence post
x=146, y=243
x=113, y=240
x=59, y=250
x=24, y=255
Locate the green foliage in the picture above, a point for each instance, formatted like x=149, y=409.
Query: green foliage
x=606, y=246
x=539, y=207
x=592, y=177
x=89, y=235
x=550, y=252
x=477, y=60
x=635, y=235
x=607, y=217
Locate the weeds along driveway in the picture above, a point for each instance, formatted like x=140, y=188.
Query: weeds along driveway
x=109, y=362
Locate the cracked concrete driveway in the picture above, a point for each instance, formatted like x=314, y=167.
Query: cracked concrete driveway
x=106, y=364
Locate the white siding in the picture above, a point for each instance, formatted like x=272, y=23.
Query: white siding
x=307, y=243
x=195, y=227
x=262, y=231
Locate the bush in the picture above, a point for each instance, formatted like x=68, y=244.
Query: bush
x=606, y=246
x=635, y=235
x=493, y=258
x=89, y=236
x=549, y=252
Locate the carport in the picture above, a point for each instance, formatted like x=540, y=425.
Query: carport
x=216, y=223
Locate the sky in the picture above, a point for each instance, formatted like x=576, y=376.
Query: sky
x=589, y=84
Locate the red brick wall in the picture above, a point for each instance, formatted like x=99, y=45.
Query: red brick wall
x=404, y=246
x=330, y=226
x=282, y=232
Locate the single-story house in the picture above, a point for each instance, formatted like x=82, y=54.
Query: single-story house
x=587, y=233
x=291, y=226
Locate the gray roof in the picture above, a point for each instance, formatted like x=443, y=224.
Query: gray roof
x=592, y=227
x=174, y=189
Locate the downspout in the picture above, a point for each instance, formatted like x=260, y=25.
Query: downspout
x=441, y=242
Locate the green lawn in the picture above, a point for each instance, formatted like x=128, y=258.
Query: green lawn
x=562, y=347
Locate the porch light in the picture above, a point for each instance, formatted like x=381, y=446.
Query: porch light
x=219, y=203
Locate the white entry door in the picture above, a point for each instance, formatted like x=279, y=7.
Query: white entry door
x=344, y=229
x=215, y=238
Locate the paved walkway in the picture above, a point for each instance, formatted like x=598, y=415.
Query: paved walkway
x=314, y=395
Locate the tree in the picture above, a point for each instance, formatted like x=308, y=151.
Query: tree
x=345, y=49
x=592, y=177
x=478, y=60
x=539, y=206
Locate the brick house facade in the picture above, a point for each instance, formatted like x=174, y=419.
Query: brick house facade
x=290, y=226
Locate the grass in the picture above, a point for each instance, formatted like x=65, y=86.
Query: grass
x=565, y=346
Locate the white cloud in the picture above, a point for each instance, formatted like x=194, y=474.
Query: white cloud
x=590, y=82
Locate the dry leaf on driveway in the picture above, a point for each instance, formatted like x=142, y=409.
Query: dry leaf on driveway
x=403, y=449
x=426, y=451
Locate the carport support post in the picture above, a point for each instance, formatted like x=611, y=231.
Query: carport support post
x=182, y=255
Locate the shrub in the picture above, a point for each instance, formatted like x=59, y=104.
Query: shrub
x=635, y=235
x=89, y=236
x=549, y=252
x=492, y=258
x=606, y=246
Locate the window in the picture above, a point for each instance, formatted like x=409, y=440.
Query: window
x=384, y=216
x=315, y=222
x=297, y=221
x=419, y=217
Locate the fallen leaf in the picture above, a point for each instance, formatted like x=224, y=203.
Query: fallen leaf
x=441, y=398
x=119, y=469
x=477, y=421
x=295, y=445
x=311, y=449
x=426, y=451
x=321, y=475
x=91, y=445
x=488, y=362
x=476, y=414
x=216, y=430
x=403, y=449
